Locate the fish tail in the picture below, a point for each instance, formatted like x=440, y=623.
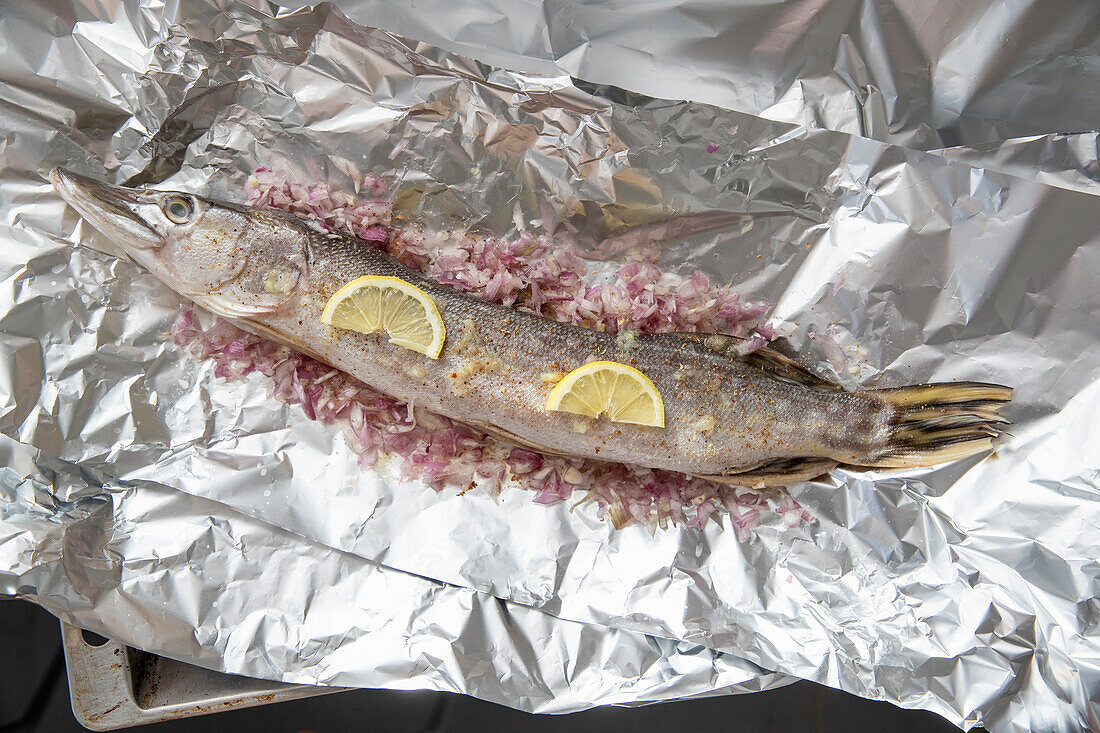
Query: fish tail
x=936, y=423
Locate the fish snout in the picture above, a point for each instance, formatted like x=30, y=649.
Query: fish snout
x=113, y=210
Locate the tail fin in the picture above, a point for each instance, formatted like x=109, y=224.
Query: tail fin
x=936, y=423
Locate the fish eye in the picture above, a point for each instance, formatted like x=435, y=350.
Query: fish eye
x=178, y=209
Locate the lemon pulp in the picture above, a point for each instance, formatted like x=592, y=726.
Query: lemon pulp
x=620, y=392
x=374, y=303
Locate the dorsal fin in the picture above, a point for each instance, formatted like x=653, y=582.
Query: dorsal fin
x=766, y=358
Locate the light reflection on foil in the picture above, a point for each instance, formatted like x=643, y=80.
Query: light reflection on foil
x=192, y=579
x=910, y=72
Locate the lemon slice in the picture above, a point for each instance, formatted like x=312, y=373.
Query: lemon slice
x=405, y=312
x=609, y=388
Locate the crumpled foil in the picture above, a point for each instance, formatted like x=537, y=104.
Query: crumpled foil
x=1059, y=159
x=911, y=72
x=146, y=499
x=193, y=579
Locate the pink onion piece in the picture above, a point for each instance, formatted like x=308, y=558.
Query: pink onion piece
x=527, y=271
x=832, y=350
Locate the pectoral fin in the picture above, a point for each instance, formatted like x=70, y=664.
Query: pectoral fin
x=231, y=307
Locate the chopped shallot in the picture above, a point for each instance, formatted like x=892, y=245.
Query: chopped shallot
x=526, y=271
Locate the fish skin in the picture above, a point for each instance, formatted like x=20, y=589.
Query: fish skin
x=497, y=378
x=723, y=413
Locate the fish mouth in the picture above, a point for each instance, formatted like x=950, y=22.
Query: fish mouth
x=110, y=209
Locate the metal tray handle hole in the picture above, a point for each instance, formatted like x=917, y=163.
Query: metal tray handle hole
x=91, y=638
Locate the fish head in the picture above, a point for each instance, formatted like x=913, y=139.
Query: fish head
x=235, y=260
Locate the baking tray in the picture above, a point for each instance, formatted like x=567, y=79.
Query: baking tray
x=115, y=686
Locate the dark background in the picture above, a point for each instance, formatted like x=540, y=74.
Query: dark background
x=34, y=697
